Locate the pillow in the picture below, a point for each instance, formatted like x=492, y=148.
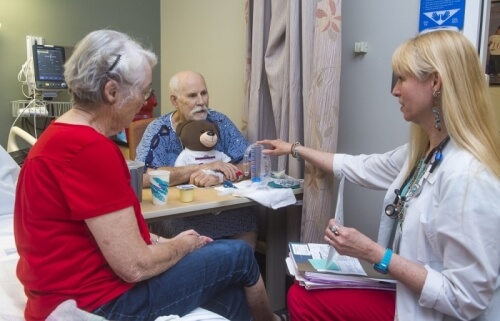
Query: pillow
x=69, y=311
x=9, y=171
x=201, y=314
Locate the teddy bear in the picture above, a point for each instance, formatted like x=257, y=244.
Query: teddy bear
x=199, y=138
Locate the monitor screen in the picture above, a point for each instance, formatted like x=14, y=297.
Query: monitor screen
x=48, y=64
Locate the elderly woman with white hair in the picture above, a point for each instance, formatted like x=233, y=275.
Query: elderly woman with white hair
x=78, y=225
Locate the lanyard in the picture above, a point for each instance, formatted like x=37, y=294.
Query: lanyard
x=412, y=189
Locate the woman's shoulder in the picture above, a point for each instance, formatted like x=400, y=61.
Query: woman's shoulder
x=461, y=162
x=458, y=156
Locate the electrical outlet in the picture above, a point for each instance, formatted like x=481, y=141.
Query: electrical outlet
x=33, y=111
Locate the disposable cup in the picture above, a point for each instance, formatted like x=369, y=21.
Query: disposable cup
x=159, y=181
x=186, y=193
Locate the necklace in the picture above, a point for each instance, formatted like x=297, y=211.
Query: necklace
x=412, y=187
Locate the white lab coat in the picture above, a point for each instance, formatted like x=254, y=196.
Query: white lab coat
x=452, y=228
x=9, y=171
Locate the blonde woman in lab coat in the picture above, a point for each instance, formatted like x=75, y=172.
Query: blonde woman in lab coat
x=439, y=231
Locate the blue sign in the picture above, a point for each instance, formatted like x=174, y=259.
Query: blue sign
x=441, y=14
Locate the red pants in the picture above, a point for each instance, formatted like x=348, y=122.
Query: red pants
x=340, y=304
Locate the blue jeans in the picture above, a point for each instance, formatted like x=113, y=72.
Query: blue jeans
x=212, y=277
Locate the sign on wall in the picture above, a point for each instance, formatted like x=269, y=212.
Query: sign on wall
x=493, y=66
x=441, y=14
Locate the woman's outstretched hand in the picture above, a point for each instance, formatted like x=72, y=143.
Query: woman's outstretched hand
x=276, y=147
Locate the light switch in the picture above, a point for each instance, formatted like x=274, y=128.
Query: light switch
x=360, y=47
x=364, y=47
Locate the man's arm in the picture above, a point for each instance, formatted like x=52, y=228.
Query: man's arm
x=178, y=175
x=194, y=174
x=232, y=141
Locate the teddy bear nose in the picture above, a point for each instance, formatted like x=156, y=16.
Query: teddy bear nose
x=210, y=133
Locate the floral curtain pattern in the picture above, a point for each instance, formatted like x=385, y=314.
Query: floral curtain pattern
x=292, y=91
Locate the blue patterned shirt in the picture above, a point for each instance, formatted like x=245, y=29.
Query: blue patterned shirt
x=160, y=144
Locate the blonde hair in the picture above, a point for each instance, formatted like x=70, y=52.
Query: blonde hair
x=467, y=110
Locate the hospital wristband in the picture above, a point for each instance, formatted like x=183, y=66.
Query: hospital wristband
x=218, y=174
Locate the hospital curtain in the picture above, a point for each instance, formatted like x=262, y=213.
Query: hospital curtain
x=292, y=91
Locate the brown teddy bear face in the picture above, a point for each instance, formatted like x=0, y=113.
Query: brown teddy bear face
x=198, y=135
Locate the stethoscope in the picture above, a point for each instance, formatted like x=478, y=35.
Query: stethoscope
x=394, y=210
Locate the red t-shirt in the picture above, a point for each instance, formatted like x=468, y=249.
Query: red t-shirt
x=71, y=174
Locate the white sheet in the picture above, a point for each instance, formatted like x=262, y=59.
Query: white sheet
x=9, y=170
x=13, y=299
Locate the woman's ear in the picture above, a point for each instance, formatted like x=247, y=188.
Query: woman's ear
x=436, y=81
x=110, y=91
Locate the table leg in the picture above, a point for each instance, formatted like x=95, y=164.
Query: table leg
x=276, y=251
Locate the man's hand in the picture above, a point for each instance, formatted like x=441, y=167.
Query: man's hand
x=229, y=170
x=203, y=179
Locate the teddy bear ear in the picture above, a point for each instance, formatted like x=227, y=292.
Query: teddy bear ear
x=180, y=126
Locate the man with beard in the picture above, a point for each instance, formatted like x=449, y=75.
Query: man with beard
x=160, y=146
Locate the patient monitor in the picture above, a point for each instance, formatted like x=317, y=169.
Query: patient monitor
x=48, y=67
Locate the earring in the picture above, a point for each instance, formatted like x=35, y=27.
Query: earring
x=437, y=120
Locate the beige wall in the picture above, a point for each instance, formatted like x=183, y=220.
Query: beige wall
x=208, y=37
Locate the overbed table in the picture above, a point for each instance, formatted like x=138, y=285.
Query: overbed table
x=206, y=200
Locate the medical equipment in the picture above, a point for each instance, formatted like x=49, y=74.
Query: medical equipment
x=256, y=164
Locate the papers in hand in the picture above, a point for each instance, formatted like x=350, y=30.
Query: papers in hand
x=312, y=257
x=310, y=264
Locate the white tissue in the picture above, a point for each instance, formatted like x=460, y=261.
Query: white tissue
x=269, y=197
